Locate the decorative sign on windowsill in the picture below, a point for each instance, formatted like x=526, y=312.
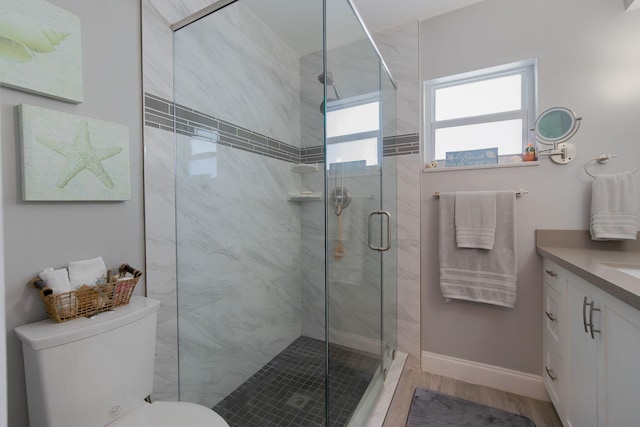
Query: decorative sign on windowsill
x=485, y=156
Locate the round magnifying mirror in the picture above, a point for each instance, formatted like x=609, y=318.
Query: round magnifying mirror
x=556, y=125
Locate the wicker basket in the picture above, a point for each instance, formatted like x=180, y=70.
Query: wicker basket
x=88, y=300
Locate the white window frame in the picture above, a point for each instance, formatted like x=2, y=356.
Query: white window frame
x=527, y=113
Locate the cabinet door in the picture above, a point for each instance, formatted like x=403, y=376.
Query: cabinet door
x=619, y=365
x=552, y=375
x=552, y=319
x=581, y=399
x=552, y=343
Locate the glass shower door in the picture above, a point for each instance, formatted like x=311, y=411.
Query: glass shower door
x=286, y=292
x=360, y=331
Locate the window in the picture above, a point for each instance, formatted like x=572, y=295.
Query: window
x=486, y=109
x=353, y=127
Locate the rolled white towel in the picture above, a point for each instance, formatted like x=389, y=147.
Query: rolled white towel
x=57, y=280
x=87, y=272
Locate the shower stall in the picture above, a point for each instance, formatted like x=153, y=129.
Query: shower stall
x=285, y=213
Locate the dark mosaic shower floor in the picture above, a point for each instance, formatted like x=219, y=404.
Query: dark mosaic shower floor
x=290, y=389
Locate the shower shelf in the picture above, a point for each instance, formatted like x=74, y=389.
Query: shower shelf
x=304, y=167
x=305, y=196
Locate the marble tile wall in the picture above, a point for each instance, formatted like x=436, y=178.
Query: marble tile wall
x=159, y=187
x=312, y=279
x=355, y=71
x=159, y=159
x=348, y=64
x=311, y=96
x=354, y=279
x=158, y=66
x=158, y=15
x=399, y=48
x=238, y=241
x=163, y=114
x=233, y=66
x=408, y=185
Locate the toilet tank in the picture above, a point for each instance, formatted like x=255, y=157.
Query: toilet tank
x=87, y=372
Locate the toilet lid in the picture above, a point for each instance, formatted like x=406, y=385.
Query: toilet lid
x=170, y=414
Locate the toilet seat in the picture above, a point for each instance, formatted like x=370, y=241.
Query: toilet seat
x=170, y=414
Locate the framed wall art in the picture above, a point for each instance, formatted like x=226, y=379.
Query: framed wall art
x=69, y=157
x=40, y=49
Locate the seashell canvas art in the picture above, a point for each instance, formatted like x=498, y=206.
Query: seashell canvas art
x=40, y=49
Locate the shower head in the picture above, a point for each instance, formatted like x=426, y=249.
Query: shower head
x=329, y=78
x=329, y=100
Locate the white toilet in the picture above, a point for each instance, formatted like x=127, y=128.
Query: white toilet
x=97, y=372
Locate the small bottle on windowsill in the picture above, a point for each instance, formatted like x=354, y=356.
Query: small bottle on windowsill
x=529, y=153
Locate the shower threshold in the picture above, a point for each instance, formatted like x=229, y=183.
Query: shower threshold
x=290, y=389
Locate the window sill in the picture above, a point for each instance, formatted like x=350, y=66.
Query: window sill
x=498, y=166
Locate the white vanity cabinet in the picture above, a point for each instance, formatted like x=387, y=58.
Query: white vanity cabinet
x=596, y=377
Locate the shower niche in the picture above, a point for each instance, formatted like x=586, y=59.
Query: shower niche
x=304, y=195
x=286, y=315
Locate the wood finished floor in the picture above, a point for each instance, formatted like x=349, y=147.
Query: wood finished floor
x=541, y=413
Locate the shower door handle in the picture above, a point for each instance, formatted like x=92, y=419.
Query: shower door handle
x=387, y=215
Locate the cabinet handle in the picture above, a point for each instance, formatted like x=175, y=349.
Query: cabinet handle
x=550, y=373
x=592, y=309
x=551, y=273
x=584, y=315
x=550, y=316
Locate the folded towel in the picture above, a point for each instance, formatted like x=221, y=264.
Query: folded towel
x=57, y=280
x=87, y=272
x=477, y=274
x=475, y=219
x=613, y=207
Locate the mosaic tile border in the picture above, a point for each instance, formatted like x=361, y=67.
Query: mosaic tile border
x=160, y=113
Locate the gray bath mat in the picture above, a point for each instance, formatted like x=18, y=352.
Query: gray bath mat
x=432, y=409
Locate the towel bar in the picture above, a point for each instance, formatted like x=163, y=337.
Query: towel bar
x=519, y=193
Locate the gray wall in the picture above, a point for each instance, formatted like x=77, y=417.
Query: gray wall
x=37, y=235
x=589, y=62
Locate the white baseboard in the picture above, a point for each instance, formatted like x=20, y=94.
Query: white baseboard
x=357, y=342
x=486, y=375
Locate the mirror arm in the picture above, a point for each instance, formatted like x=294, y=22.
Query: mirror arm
x=551, y=151
x=561, y=153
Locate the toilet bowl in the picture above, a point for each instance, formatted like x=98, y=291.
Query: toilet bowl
x=97, y=372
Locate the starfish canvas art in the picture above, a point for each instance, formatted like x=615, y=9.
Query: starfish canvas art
x=40, y=49
x=69, y=157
